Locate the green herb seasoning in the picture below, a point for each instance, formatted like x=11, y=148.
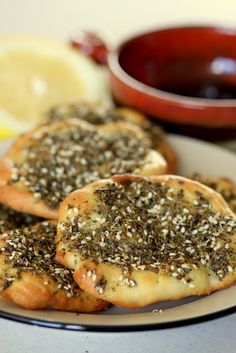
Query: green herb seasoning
x=32, y=249
x=146, y=226
x=10, y=219
x=229, y=193
x=97, y=115
x=65, y=159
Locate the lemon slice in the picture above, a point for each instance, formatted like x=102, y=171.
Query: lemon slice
x=9, y=126
x=36, y=74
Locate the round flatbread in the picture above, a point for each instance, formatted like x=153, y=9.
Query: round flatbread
x=42, y=167
x=134, y=241
x=31, y=278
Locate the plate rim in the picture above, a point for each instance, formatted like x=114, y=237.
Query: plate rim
x=119, y=328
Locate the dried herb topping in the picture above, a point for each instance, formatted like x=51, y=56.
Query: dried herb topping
x=146, y=226
x=96, y=115
x=69, y=157
x=10, y=219
x=228, y=193
x=32, y=249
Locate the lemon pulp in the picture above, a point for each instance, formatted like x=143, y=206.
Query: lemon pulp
x=36, y=74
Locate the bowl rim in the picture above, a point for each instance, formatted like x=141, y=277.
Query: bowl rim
x=122, y=75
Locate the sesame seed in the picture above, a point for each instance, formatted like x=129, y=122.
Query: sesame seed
x=174, y=274
x=132, y=283
x=157, y=311
x=156, y=237
x=165, y=231
x=191, y=285
x=100, y=290
x=185, y=266
x=89, y=273
x=45, y=170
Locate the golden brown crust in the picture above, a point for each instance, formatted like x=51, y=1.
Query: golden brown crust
x=34, y=291
x=18, y=197
x=150, y=286
x=167, y=151
x=30, y=292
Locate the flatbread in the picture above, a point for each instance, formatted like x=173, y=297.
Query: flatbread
x=133, y=241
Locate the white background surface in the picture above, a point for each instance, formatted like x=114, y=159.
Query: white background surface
x=214, y=336
x=114, y=20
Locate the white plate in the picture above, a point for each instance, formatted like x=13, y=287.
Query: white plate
x=194, y=155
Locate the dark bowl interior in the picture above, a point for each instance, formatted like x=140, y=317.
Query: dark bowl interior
x=193, y=61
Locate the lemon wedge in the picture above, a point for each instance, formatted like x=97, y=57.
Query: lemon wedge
x=36, y=74
x=9, y=126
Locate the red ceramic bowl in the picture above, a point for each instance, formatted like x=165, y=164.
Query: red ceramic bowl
x=179, y=75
